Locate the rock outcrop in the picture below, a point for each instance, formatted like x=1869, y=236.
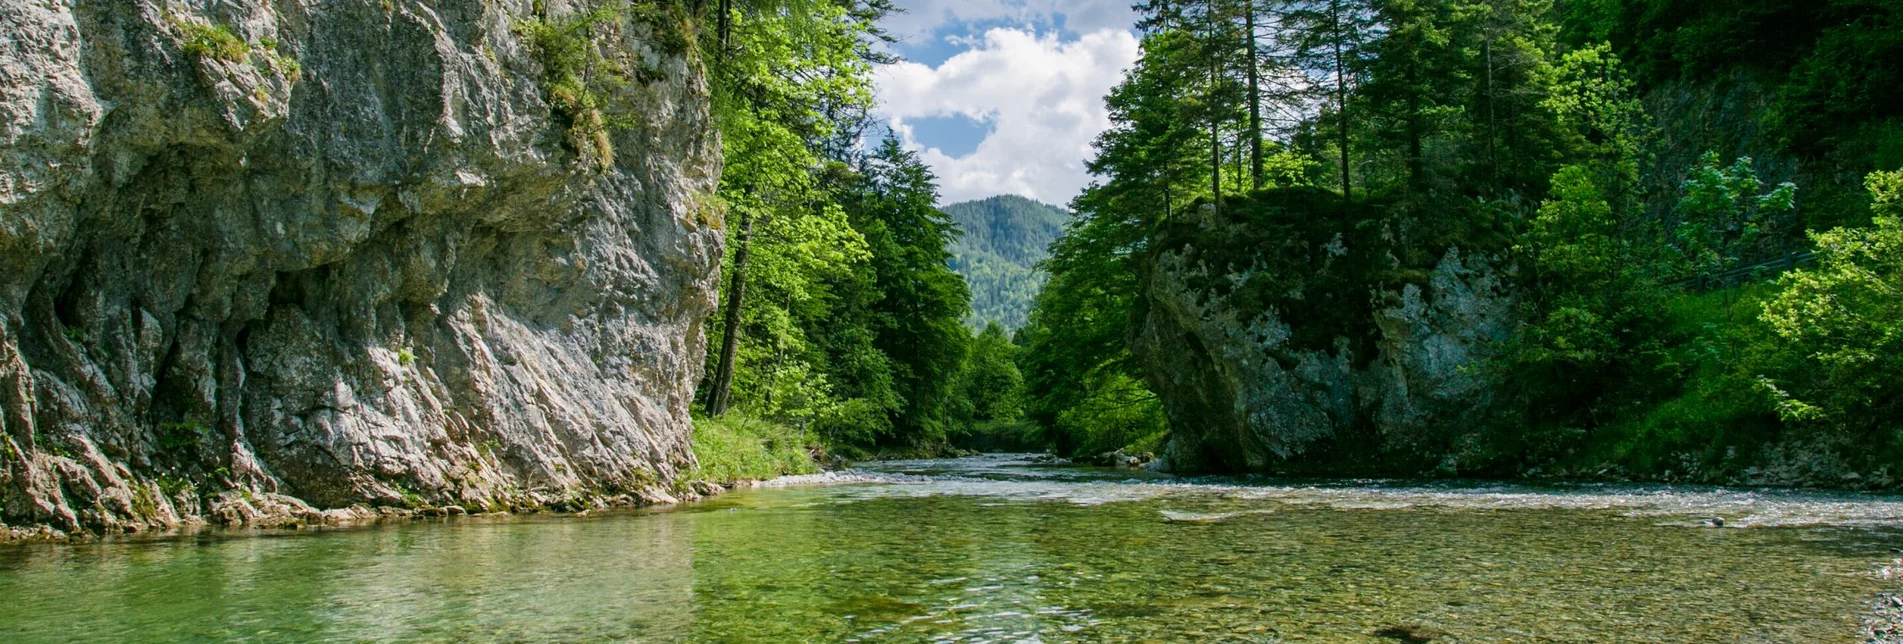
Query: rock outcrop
x=314, y=255
x=1252, y=381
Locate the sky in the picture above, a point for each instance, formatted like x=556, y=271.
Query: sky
x=1005, y=96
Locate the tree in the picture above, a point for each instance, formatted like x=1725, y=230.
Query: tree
x=1150, y=152
x=1413, y=74
x=1592, y=302
x=779, y=74
x=991, y=383
x=1722, y=216
x=917, y=318
x=1839, y=326
x=1329, y=40
x=1511, y=57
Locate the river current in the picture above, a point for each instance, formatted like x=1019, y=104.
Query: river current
x=1002, y=549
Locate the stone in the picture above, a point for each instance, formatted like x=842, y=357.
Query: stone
x=1242, y=396
x=358, y=265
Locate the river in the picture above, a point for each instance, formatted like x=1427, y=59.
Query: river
x=999, y=548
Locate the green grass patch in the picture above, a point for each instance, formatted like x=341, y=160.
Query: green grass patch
x=212, y=41
x=736, y=447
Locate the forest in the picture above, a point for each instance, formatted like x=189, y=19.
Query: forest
x=1646, y=227
x=648, y=320
x=1005, y=238
x=1601, y=151
x=841, y=329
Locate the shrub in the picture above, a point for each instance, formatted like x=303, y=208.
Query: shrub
x=1839, y=326
x=736, y=447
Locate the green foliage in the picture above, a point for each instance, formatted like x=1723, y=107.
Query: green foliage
x=578, y=75
x=1076, y=367
x=1115, y=412
x=990, y=397
x=1830, y=62
x=1722, y=218
x=185, y=436
x=915, y=318
x=1577, y=245
x=1004, y=239
x=1509, y=126
x=990, y=382
x=1839, y=327
x=285, y=64
x=212, y=40
x=737, y=447
x=850, y=321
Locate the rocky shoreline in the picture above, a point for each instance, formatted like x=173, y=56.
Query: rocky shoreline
x=270, y=512
x=240, y=510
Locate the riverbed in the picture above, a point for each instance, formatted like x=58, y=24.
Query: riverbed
x=1004, y=549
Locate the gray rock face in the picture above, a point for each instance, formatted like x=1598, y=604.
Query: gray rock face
x=1242, y=395
x=340, y=252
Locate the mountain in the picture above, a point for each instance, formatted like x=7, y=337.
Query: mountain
x=1005, y=238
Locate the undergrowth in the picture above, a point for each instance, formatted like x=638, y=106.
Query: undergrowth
x=736, y=447
x=1712, y=425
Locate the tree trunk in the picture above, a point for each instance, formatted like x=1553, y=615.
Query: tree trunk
x=1255, y=96
x=1168, y=200
x=720, y=396
x=1341, y=103
x=1416, y=128
x=725, y=23
x=1493, y=121
x=1215, y=144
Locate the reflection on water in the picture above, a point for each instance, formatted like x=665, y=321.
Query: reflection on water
x=995, y=549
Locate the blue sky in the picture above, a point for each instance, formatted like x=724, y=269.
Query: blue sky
x=1005, y=96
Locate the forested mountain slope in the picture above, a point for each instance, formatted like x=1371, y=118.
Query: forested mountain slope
x=1004, y=239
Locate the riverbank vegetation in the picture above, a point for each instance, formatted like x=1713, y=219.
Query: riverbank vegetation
x=840, y=314
x=1647, y=233
x=736, y=447
x=1589, y=150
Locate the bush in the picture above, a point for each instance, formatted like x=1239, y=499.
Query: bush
x=740, y=448
x=1839, y=326
x=999, y=436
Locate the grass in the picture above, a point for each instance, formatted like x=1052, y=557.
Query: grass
x=736, y=447
x=212, y=41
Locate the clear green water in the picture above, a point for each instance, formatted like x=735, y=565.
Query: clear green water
x=995, y=550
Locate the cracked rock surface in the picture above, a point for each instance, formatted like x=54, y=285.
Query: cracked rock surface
x=1255, y=386
x=336, y=254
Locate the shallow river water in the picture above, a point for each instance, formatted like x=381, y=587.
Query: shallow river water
x=996, y=548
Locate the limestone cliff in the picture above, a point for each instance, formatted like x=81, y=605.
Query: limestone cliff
x=257, y=255
x=1275, y=348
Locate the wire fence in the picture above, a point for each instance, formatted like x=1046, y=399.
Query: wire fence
x=1738, y=276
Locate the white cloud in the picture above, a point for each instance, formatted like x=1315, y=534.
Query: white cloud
x=1042, y=96
x=924, y=18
